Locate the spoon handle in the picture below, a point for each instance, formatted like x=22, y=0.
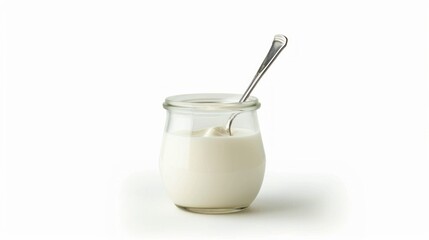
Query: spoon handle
x=278, y=45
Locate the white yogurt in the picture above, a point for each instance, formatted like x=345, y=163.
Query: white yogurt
x=213, y=171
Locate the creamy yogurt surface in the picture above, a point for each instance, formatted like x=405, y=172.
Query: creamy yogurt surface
x=212, y=171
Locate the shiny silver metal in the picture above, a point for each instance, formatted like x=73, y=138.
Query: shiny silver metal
x=279, y=43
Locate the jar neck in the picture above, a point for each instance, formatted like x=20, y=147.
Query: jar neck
x=210, y=102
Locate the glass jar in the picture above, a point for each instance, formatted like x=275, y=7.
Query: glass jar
x=212, y=173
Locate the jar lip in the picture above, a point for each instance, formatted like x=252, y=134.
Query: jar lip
x=210, y=102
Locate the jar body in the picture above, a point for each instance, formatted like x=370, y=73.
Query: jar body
x=212, y=174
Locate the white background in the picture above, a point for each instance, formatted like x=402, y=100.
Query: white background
x=344, y=116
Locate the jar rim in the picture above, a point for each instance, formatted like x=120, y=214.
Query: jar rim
x=210, y=102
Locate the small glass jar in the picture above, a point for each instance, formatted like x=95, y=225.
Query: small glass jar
x=210, y=173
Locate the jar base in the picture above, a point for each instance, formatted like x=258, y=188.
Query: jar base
x=212, y=210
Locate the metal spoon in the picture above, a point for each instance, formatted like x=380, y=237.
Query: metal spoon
x=277, y=46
